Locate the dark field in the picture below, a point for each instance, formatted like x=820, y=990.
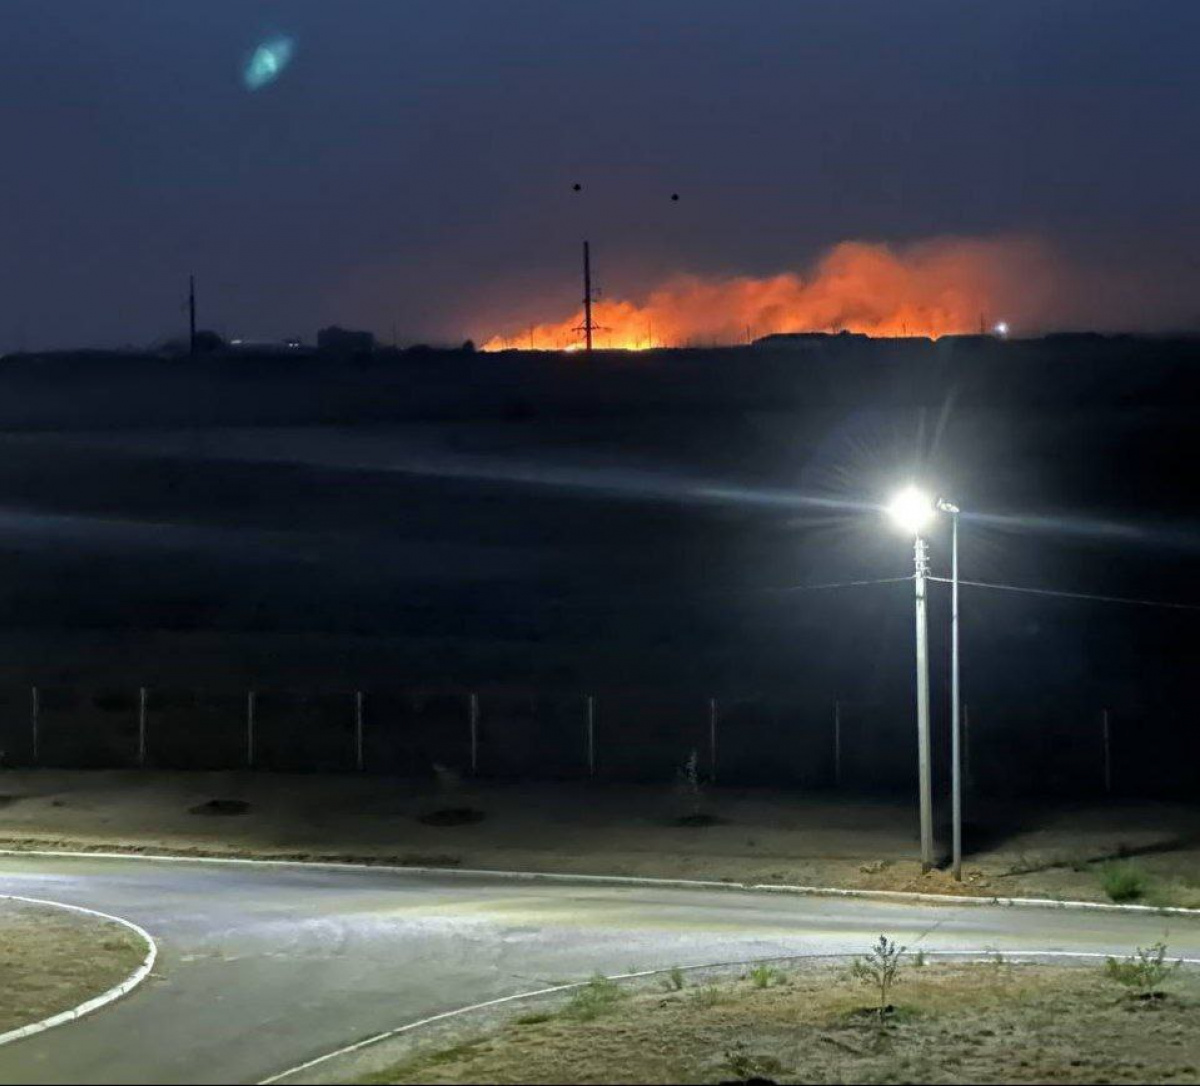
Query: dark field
x=542, y=528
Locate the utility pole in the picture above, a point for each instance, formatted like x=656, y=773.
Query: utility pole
x=921, y=558
x=955, y=703
x=587, y=296
x=192, y=315
x=588, y=326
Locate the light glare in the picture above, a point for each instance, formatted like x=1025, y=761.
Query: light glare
x=268, y=62
x=911, y=509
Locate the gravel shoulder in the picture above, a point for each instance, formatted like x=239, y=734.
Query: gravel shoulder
x=53, y=959
x=747, y=835
x=999, y=1022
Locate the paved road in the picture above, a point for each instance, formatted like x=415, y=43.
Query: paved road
x=262, y=967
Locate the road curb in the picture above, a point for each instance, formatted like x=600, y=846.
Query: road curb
x=96, y=1002
x=984, y=955
x=898, y=896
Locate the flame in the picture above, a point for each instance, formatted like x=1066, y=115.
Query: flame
x=931, y=288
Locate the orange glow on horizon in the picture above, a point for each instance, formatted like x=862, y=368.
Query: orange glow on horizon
x=932, y=288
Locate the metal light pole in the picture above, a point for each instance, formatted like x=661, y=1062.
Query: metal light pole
x=913, y=511
x=921, y=559
x=955, y=711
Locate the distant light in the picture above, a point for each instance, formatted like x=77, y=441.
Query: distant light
x=268, y=62
x=1001, y=329
x=911, y=509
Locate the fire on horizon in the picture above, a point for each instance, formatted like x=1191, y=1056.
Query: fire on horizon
x=932, y=288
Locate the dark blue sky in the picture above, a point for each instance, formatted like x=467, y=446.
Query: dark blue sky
x=413, y=164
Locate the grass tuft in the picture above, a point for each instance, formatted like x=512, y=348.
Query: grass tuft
x=674, y=981
x=708, y=996
x=1123, y=881
x=599, y=996
x=533, y=1019
x=765, y=976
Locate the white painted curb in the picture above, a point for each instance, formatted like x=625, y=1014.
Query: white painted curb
x=127, y=985
x=367, y=1042
x=625, y=880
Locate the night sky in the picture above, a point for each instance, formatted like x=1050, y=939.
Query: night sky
x=413, y=164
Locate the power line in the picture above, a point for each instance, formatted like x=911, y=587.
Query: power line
x=1074, y=595
x=691, y=598
x=822, y=587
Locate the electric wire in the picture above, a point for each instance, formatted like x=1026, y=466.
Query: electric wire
x=1130, y=600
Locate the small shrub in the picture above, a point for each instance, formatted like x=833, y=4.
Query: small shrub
x=919, y=959
x=599, y=996
x=1123, y=881
x=708, y=996
x=880, y=969
x=1145, y=971
x=674, y=981
x=764, y=975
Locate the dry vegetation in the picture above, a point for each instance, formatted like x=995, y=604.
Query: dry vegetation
x=54, y=959
x=995, y=1022
x=1141, y=853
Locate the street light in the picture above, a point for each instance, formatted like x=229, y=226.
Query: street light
x=912, y=510
x=955, y=719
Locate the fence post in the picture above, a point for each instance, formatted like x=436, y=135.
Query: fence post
x=141, y=727
x=250, y=730
x=591, y=735
x=35, y=713
x=1107, y=752
x=712, y=739
x=358, y=729
x=474, y=733
x=837, y=744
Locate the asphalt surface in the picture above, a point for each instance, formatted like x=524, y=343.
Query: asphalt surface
x=263, y=967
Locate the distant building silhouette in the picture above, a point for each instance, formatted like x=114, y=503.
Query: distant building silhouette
x=345, y=341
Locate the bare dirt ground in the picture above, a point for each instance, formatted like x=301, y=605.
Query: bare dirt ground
x=951, y=1023
x=748, y=835
x=54, y=959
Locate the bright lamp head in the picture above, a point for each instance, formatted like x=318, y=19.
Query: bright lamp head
x=911, y=510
